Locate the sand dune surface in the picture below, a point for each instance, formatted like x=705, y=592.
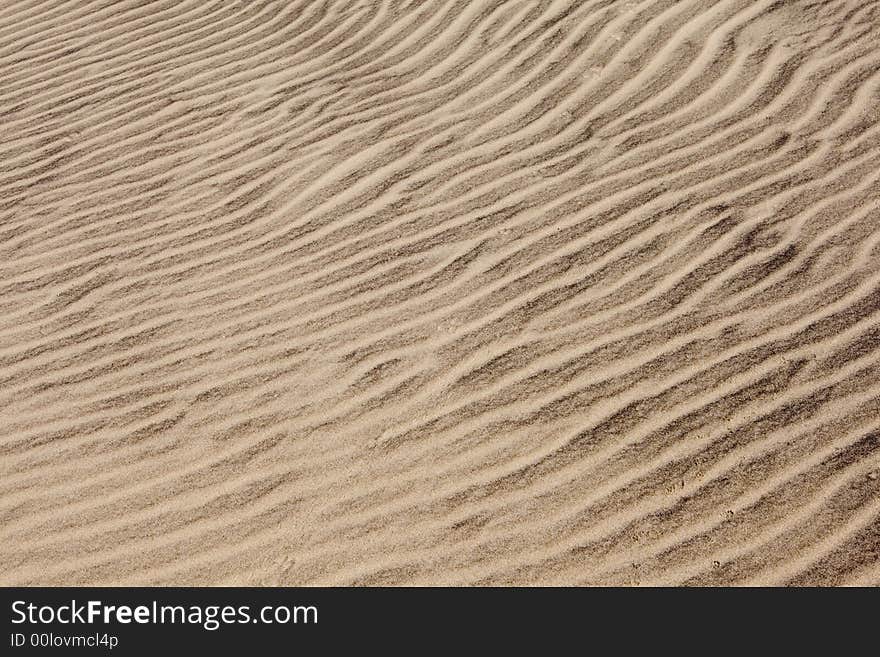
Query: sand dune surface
x=458, y=292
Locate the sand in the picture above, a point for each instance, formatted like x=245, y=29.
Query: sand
x=440, y=292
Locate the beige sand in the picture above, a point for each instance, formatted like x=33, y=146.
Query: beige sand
x=440, y=292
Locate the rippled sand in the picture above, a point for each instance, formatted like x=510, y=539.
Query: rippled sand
x=440, y=292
